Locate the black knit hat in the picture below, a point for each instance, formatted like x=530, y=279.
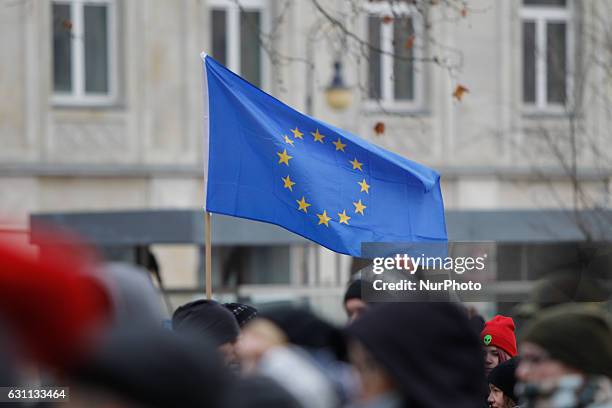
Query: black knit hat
x=243, y=313
x=579, y=336
x=429, y=349
x=208, y=319
x=503, y=377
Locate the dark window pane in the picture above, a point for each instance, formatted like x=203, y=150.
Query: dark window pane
x=250, y=51
x=219, y=40
x=560, y=3
x=374, y=57
x=267, y=265
x=510, y=262
x=403, y=65
x=555, y=62
x=96, y=49
x=62, y=52
x=529, y=62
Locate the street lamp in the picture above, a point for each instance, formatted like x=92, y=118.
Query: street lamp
x=337, y=94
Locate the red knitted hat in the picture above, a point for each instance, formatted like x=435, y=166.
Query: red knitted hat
x=50, y=303
x=499, y=332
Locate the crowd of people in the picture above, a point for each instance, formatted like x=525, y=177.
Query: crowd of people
x=67, y=321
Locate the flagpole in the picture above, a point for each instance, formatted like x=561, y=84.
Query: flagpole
x=208, y=255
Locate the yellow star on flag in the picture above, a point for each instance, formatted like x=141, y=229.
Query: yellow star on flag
x=288, y=183
x=289, y=141
x=364, y=186
x=359, y=207
x=284, y=157
x=343, y=217
x=317, y=136
x=303, y=205
x=297, y=134
x=324, y=219
x=356, y=164
x=339, y=145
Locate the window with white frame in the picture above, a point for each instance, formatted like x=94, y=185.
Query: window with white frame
x=84, y=48
x=393, y=36
x=236, y=37
x=546, y=53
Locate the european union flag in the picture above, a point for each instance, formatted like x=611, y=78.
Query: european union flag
x=270, y=163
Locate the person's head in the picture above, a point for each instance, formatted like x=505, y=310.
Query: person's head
x=426, y=352
x=211, y=321
x=256, y=339
x=145, y=367
x=498, y=340
x=502, y=381
x=134, y=298
x=564, y=340
x=498, y=399
x=375, y=379
x=493, y=357
x=278, y=344
x=304, y=328
x=353, y=304
x=561, y=287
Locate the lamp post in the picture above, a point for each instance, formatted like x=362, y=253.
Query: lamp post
x=337, y=94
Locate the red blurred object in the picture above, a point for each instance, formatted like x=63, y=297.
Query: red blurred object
x=51, y=303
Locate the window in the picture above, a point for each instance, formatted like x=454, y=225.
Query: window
x=395, y=44
x=546, y=53
x=255, y=265
x=235, y=37
x=84, y=44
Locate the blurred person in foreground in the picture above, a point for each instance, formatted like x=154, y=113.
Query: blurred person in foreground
x=324, y=343
x=297, y=350
x=211, y=321
x=562, y=287
x=417, y=355
x=149, y=368
x=8, y=372
x=134, y=299
x=477, y=322
x=566, y=358
x=51, y=306
x=354, y=306
x=499, y=341
x=502, y=381
x=258, y=392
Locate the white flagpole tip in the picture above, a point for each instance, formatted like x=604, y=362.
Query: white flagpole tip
x=203, y=55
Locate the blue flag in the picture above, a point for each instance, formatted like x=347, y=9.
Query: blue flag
x=268, y=162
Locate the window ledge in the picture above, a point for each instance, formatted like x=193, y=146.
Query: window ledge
x=545, y=114
x=393, y=108
x=59, y=102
